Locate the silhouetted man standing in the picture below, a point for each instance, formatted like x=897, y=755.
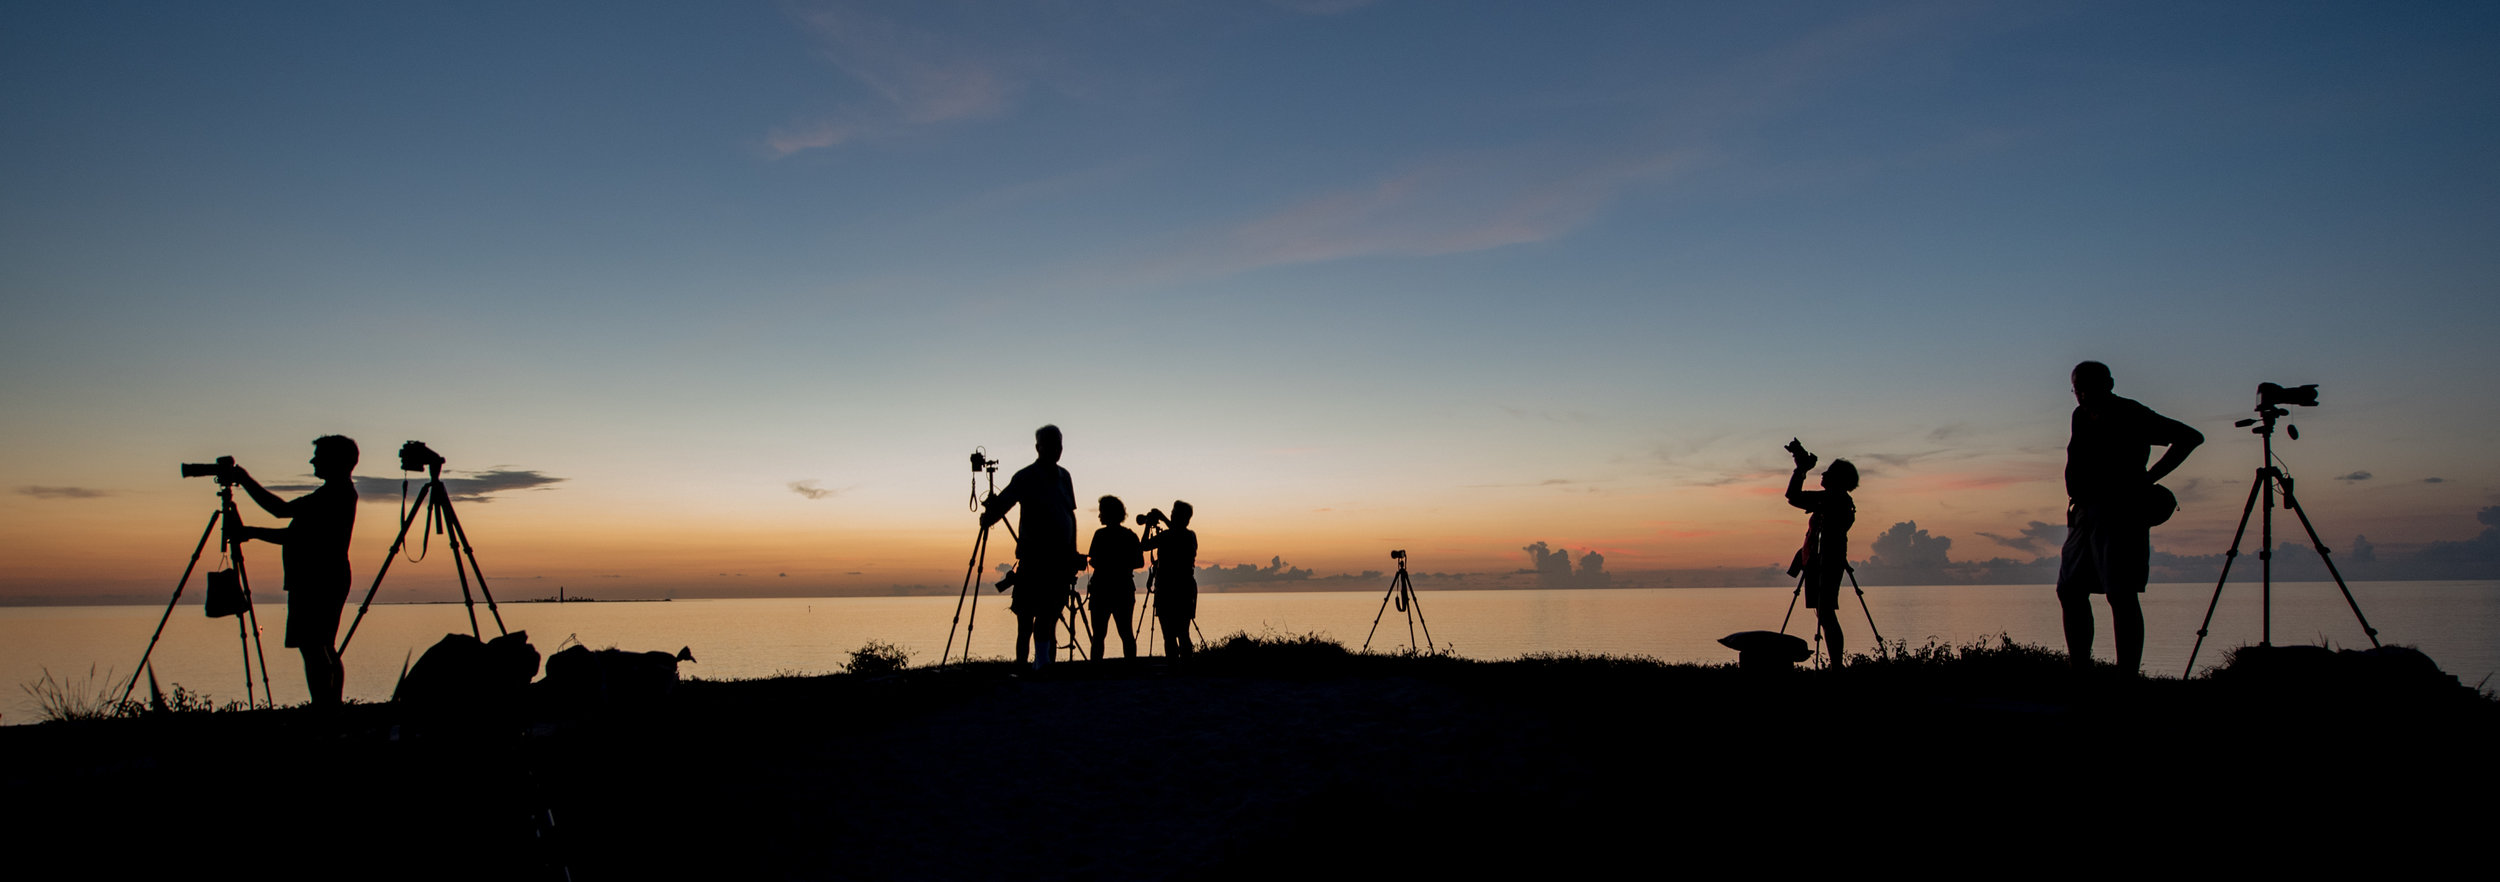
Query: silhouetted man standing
x=315, y=553
x=1046, y=555
x=2109, y=545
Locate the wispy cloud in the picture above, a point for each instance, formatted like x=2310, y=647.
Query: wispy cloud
x=1320, y=7
x=810, y=490
x=1448, y=205
x=915, y=77
x=478, y=487
x=40, y=492
x=2037, y=537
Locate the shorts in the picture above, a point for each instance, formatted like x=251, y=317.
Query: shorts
x=2105, y=552
x=1176, y=596
x=312, y=617
x=1116, y=590
x=1039, y=592
x=1823, y=588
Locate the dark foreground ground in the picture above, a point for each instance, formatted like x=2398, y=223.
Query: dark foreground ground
x=1289, y=758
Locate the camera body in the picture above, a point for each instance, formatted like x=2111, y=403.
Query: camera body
x=1152, y=517
x=1797, y=453
x=414, y=456
x=222, y=470
x=1397, y=554
x=2271, y=395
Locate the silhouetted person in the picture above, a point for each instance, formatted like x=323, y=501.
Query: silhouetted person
x=314, y=544
x=1116, y=557
x=1825, y=557
x=2109, y=544
x=1176, y=579
x=1046, y=558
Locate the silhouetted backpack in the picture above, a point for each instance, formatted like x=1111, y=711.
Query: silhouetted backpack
x=461, y=675
x=1766, y=650
x=587, y=677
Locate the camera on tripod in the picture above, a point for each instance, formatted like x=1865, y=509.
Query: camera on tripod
x=980, y=461
x=222, y=470
x=2271, y=395
x=1152, y=517
x=414, y=456
x=1397, y=554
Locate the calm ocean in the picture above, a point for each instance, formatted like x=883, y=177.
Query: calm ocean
x=2457, y=623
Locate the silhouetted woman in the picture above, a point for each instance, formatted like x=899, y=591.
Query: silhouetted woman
x=1825, y=558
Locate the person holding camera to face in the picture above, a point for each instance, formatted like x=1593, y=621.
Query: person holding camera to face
x=1046, y=555
x=1824, y=558
x=314, y=549
x=1176, y=577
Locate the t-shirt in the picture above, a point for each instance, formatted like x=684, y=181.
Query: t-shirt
x=1827, y=528
x=1046, y=515
x=1176, y=551
x=1115, y=550
x=315, y=547
x=2112, y=439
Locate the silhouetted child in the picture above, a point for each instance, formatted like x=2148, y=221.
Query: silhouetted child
x=1176, y=579
x=1116, y=557
x=1824, y=559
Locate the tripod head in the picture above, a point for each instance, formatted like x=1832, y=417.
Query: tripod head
x=2270, y=401
x=981, y=462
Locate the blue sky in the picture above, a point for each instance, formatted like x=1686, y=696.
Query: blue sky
x=1450, y=276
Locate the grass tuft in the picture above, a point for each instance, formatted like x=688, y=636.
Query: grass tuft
x=879, y=657
x=79, y=698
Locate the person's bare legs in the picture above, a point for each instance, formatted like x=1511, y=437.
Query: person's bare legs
x=2126, y=624
x=323, y=675
x=2076, y=603
x=1830, y=620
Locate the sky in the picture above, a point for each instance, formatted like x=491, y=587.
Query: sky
x=716, y=299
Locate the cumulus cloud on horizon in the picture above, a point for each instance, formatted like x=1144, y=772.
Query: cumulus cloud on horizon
x=1553, y=567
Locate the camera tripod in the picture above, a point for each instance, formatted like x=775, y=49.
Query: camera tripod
x=1080, y=623
x=1402, y=589
x=246, y=619
x=2268, y=477
x=1818, y=624
x=972, y=567
x=434, y=502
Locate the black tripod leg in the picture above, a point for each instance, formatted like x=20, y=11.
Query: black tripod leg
x=2294, y=505
x=442, y=506
x=1870, y=612
x=243, y=643
x=1418, y=602
x=972, y=572
x=1792, y=604
x=251, y=610
x=1384, y=610
x=460, y=546
x=1080, y=622
x=396, y=545
x=2246, y=509
x=196, y=550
